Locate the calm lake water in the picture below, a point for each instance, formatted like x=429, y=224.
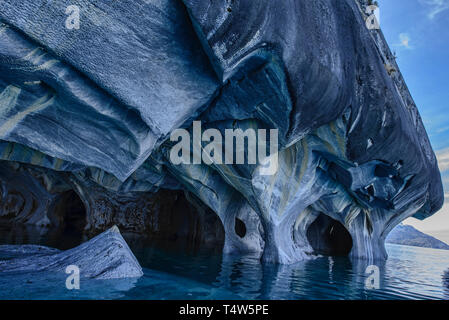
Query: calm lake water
x=409, y=273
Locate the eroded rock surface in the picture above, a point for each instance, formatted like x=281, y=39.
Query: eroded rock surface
x=90, y=111
x=107, y=256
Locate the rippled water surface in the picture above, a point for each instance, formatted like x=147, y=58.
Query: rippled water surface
x=409, y=273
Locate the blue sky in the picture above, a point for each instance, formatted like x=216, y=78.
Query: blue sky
x=418, y=31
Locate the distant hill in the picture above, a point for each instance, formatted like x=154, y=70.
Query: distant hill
x=407, y=235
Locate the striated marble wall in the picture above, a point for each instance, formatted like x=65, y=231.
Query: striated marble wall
x=90, y=111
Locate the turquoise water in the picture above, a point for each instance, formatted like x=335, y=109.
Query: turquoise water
x=409, y=273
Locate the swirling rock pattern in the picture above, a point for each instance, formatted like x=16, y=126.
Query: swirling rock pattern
x=92, y=109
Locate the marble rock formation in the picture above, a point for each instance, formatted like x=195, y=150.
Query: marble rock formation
x=106, y=256
x=88, y=112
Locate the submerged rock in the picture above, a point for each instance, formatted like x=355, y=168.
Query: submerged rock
x=90, y=112
x=8, y=252
x=107, y=256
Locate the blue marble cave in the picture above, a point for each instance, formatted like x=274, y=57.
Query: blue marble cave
x=86, y=116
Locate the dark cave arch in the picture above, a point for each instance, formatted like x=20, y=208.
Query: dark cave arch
x=183, y=218
x=328, y=236
x=69, y=214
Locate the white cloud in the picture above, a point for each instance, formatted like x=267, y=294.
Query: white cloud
x=404, y=41
x=435, y=7
x=443, y=159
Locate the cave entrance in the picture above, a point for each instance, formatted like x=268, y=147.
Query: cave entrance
x=75, y=213
x=329, y=237
x=69, y=217
x=180, y=218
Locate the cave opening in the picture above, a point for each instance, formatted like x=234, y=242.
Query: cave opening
x=69, y=217
x=328, y=236
x=180, y=218
x=240, y=228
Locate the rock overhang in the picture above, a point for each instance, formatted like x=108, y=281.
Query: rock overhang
x=351, y=144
